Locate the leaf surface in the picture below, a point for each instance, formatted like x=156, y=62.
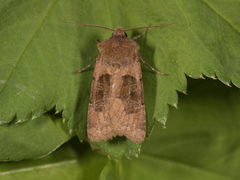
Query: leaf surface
x=39, y=54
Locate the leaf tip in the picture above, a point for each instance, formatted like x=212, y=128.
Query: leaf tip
x=35, y=117
x=57, y=112
x=19, y=121
x=164, y=124
x=228, y=84
x=175, y=105
x=139, y=149
x=213, y=77
x=202, y=77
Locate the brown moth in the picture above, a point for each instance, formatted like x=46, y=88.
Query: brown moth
x=116, y=106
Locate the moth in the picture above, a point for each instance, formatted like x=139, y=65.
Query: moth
x=116, y=106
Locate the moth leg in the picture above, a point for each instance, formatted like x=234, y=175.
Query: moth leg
x=138, y=36
x=151, y=66
x=85, y=67
x=97, y=41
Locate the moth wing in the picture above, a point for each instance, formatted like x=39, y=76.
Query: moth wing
x=98, y=125
x=127, y=110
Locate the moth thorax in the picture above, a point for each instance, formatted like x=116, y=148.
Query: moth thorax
x=118, y=62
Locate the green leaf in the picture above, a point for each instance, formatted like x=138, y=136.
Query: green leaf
x=118, y=147
x=112, y=171
x=39, y=53
x=32, y=139
x=71, y=161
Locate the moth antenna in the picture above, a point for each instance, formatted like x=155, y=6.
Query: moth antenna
x=88, y=25
x=138, y=36
x=147, y=27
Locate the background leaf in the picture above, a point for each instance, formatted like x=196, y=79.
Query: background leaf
x=32, y=139
x=71, y=161
x=39, y=53
x=112, y=170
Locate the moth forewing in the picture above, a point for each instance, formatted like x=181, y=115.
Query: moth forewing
x=131, y=94
x=98, y=127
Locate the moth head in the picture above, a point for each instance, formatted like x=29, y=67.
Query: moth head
x=119, y=31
